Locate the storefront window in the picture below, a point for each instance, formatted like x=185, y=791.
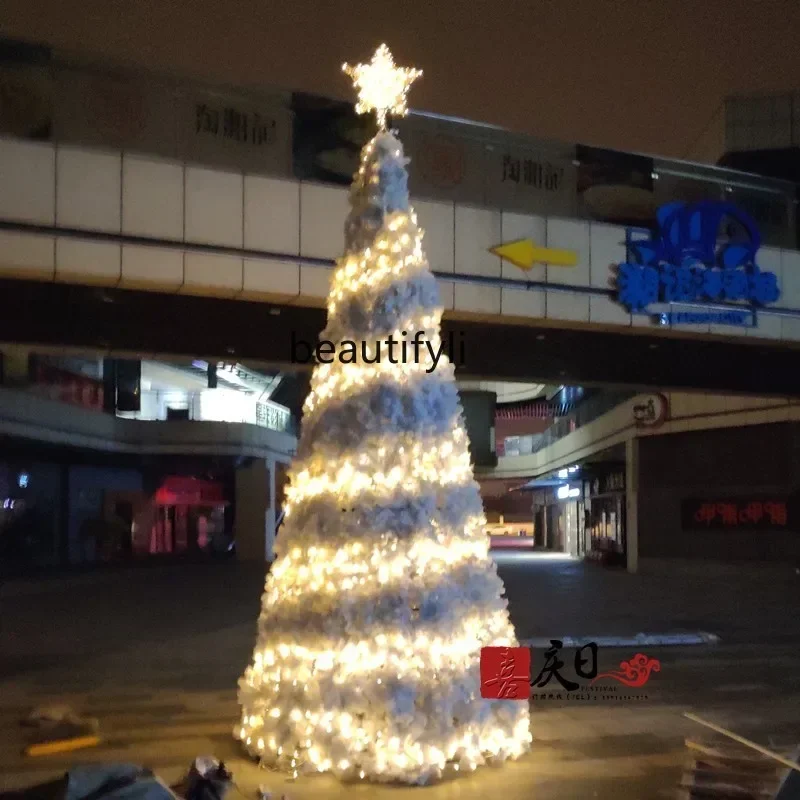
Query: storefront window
x=605, y=517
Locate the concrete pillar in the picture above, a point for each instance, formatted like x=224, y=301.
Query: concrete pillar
x=15, y=365
x=252, y=527
x=272, y=513
x=632, y=502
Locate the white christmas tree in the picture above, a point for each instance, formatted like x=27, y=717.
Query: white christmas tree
x=383, y=592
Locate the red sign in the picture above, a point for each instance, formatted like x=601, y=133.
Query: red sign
x=178, y=490
x=67, y=387
x=505, y=673
x=752, y=513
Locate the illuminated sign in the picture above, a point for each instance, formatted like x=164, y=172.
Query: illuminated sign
x=564, y=492
x=743, y=319
x=767, y=513
x=701, y=252
x=651, y=411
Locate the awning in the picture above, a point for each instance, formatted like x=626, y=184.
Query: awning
x=178, y=490
x=541, y=483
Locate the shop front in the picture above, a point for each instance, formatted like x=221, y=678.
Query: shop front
x=605, y=539
x=186, y=515
x=558, y=515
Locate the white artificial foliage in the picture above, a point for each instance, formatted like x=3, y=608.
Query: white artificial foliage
x=383, y=592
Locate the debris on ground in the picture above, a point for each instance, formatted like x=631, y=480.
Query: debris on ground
x=207, y=779
x=59, y=729
x=731, y=766
x=721, y=769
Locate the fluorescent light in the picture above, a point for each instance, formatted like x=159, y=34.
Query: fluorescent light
x=563, y=492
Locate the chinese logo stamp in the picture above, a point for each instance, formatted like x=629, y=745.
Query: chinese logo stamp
x=506, y=671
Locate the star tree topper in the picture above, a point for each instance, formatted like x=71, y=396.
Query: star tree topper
x=381, y=85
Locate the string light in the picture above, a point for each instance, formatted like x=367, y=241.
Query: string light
x=383, y=593
x=381, y=85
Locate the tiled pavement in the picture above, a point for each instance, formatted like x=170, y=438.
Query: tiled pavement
x=155, y=655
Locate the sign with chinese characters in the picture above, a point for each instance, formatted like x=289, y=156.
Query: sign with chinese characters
x=740, y=318
x=535, y=181
x=615, y=482
x=702, y=252
x=506, y=672
x=240, y=132
x=650, y=411
x=763, y=513
x=247, y=132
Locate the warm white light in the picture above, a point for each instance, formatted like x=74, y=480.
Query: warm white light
x=383, y=592
x=381, y=85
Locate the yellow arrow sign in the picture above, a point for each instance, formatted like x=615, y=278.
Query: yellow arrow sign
x=524, y=253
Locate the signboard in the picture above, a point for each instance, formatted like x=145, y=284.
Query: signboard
x=67, y=387
x=744, y=319
x=700, y=252
x=181, y=490
x=756, y=513
x=445, y=164
x=243, y=133
x=538, y=181
x=650, y=411
x=115, y=110
x=189, y=122
x=610, y=483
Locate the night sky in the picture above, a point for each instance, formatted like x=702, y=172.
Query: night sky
x=630, y=74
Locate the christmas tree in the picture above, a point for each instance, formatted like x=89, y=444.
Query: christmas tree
x=383, y=592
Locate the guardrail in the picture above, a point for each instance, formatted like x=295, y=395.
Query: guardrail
x=586, y=412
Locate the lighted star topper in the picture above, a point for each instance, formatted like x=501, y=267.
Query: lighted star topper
x=381, y=85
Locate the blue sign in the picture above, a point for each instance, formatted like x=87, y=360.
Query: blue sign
x=701, y=252
x=741, y=318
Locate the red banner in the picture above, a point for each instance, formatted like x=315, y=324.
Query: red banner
x=178, y=490
x=67, y=387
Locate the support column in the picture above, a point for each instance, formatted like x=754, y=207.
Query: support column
x=252, y=504
x=272, y=514
x=632, y=503
x=15, y=365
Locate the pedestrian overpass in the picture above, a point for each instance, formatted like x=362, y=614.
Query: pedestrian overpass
x=126, y=252
x=159, y=215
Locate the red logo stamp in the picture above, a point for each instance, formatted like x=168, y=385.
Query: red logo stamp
x=635, y=672
x=505, y=673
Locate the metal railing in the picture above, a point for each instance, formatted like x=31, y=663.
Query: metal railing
x=586, y=412
x=198, y=406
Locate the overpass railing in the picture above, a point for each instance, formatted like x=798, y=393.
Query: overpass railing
x=586, y=412
x=51, y=95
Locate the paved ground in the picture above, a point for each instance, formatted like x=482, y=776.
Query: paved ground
x=155, y=654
